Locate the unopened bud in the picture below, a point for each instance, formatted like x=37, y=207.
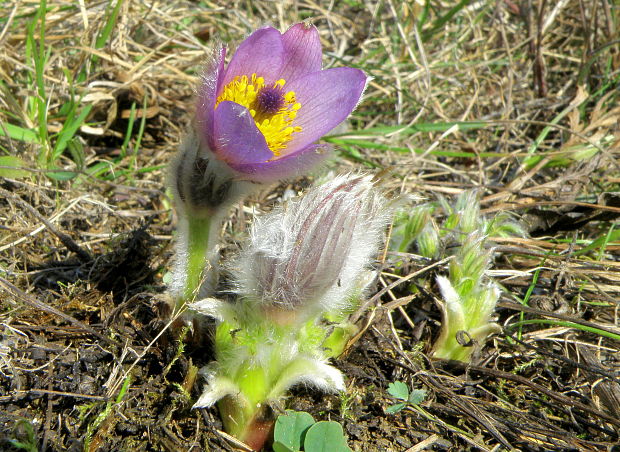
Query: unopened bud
x=309, y=256
x=428, y=241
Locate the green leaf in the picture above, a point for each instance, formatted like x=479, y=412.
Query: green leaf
x=440, y=22
x=421, y=127
x=18, y=133
x=29, y=443
x=76, y=149
x=105, y=33
x=61, y=175
x=568, y=324
x=13, y=165
x=291, y=428
x=25, y=446
x=399, y=390
x=417, y=396
x=279, y=447
x=326, y=436
x=611, y=236
x=395, y=408
x=69, y=129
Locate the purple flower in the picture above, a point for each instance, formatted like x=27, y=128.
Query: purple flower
x=263, y=114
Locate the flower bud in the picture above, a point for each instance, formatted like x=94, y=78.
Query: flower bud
x=310, y=255
x=468, y=209
x=504, y=225
x=428, y=241
x=470, y=262
x=420, y=216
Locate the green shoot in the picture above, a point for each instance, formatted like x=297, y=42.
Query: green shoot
x=400, y=391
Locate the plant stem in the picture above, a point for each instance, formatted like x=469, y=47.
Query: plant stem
x=448, y=348
x=196, y=270
x=251, y=423
x=198, y=249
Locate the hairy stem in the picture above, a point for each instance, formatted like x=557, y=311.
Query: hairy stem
x=448, y=347
x=196, y=267
x=198, y=251
x=251, y=423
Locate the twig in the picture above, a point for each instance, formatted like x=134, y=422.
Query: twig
x=356, y=316
x=424, y=444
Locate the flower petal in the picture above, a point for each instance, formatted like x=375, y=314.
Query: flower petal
x=237, y=139
x=326, y=98
x=260, y=53
x=289, y=166
x=302, y=51
x=211, y=81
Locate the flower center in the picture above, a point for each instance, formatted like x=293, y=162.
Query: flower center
x=272, y=109
x=270, y=100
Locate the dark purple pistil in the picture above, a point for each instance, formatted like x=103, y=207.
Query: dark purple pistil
x=269, y=100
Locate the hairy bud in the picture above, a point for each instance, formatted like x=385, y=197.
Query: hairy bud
x=310, y=255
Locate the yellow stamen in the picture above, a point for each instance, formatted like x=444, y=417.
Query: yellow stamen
x=275, y=127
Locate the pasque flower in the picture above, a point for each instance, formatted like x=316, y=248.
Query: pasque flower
x=257, y=121
x=264, y=112
x=304, y=261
